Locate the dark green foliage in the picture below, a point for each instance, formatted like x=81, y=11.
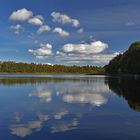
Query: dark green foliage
x=128, y=62
x=131, y=59
x=13, y=67
x=114, y=65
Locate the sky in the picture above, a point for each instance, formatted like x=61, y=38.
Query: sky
x=69, y=32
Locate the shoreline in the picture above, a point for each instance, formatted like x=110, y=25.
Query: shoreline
x=53, y=73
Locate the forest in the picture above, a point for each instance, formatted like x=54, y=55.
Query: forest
x=14, y=67
x=126, y=63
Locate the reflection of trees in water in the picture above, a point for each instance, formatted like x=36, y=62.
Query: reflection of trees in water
x=27, y=80
x=34, y=80
x=127, y=87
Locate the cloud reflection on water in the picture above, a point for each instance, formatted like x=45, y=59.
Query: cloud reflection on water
x=23, y=130
x=83, y=93
x=26, y=129
x=61, y=114
x=65, y=126
x=94, y=99
x=76, y=92
x=93, y=93
x=43, y=94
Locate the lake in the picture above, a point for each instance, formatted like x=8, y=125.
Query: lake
x=69, y=107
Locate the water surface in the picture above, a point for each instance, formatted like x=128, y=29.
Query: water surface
x=69, y=107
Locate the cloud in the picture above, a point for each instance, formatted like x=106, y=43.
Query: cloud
x=84, y=48
x=70, y=53
x=42, y=57
x=50, y=64
x=43, y=28
x=85, y=53
x=17, y=28
x=92, y=59
x=130, y=23
x=103, y=58
x=37, y=20
x=45, y=51
x=26, y=15
x=81, y=30
x=82, y=53
x=64, y=19
x=21, y=14
x=61, y=31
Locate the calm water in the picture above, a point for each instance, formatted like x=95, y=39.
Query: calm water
x=69, y=107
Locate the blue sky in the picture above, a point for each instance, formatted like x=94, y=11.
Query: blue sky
x=74, y=32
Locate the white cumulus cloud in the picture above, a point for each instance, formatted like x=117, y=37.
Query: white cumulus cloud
x=64, y=19
x=17, y=28
x=85, y=59
x=44, y=51
x=37, y=20
x=85, y=53
x=43, y=28
x=61, y=31
x=21, y=14
x=85, y=48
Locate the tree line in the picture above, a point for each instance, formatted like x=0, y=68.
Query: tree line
x=14, y=67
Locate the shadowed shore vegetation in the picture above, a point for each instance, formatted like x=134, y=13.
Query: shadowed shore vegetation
x=126, y=63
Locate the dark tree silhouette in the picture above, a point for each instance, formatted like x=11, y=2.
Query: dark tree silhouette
x=126, y=63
